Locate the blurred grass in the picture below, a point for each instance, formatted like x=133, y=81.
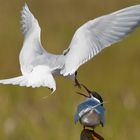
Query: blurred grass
x=25, y=115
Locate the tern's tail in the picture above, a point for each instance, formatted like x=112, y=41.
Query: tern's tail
x=21, y=81
x=26, y=81
x=40, y=76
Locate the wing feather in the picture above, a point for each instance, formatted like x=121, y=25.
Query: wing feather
x=29, y=22
x=32, y=48
x=97, y=34
x=40, y=76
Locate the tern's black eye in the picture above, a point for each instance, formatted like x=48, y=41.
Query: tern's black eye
x=97, y=96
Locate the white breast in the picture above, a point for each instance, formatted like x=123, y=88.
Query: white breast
x=90, y=119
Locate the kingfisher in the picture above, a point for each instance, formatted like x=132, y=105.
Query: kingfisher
x=90, y=113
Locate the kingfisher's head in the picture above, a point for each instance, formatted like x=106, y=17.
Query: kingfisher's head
x=91, y=94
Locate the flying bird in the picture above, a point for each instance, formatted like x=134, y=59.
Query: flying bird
x=90, y=113
x=39, y=67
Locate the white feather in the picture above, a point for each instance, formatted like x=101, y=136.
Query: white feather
x=28, y=21
x=34, y=60
x=40, y=76
x=97, y=34
x=37, y=65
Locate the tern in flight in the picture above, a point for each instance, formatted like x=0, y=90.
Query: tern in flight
x=39, y=67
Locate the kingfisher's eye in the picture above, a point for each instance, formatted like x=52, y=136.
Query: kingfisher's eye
x=97, y=96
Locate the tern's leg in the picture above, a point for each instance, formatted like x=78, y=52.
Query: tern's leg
x=77, y=84
x=74, y=79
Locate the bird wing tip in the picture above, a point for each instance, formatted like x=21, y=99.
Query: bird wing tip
x=25, y=8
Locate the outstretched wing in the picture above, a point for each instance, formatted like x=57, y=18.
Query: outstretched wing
x=98, y=34
x=29, y=22
x=40, y=76
x=32, y=47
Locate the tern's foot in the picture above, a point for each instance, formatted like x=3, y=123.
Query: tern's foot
x=77, y=84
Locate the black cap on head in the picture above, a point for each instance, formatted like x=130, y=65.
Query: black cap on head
x=91, y=93
x=97, y=96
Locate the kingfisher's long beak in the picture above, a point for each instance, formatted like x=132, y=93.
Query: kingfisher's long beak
x=82, y=94
x=88, y=91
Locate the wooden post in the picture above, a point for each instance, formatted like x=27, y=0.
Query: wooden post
x=87, y=134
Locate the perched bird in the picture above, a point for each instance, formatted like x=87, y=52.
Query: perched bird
x=90, y=113
x=39, y=67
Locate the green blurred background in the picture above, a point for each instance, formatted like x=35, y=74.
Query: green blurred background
x=114, y=73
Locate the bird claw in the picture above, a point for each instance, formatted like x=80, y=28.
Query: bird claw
x=77, y=84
